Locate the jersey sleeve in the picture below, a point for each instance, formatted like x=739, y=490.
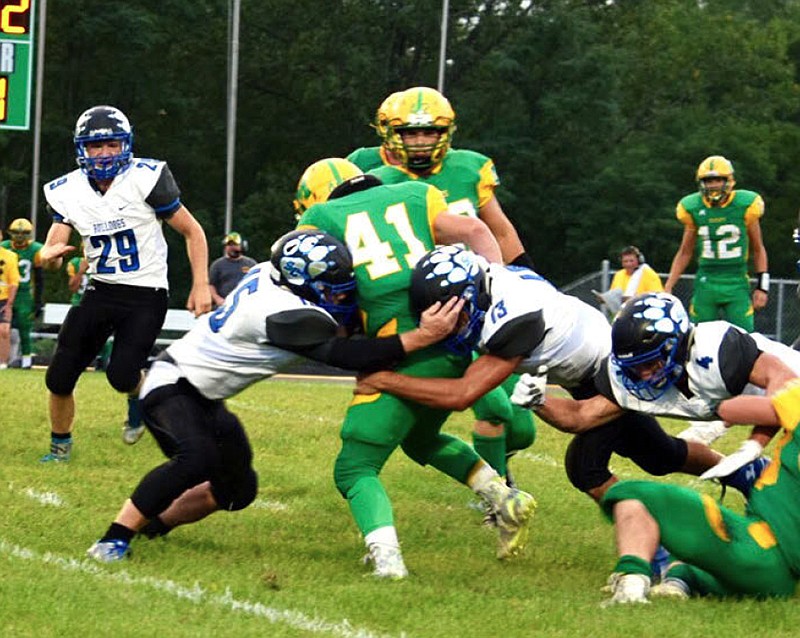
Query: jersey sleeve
x=518, y=337
x=165, y=197
x=683, y=215
x=738, y=352
x=488, y=182
x=755, y=211
x=436, y=204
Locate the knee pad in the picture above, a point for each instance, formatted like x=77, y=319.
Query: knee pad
x=585, y=469
x=123, y=380
x=239, y=495
x=59, y=380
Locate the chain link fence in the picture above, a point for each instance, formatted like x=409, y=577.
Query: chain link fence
x=780, y=320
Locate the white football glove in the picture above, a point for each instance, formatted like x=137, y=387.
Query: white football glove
x=531, y=389
x=748, y=451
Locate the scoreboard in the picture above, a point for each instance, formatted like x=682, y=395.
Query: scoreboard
x=16, y=63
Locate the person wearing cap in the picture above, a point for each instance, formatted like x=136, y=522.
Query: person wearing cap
x=228, y=270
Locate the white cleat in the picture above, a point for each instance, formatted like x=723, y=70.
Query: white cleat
x=132, y=435
x=387, y=562
x=627, y=588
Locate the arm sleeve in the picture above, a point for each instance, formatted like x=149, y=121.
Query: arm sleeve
x=737, y=356
x=312, y=333
x=165, y=198
x=518, y=337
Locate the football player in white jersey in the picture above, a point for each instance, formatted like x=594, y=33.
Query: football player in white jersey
x=291, y=307
x=519, y=321
x=116, y=202
x=662, y=365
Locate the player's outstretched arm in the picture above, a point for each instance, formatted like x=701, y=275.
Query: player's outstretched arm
x=183, y=221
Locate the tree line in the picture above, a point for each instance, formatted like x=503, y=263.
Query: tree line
x=596, y=112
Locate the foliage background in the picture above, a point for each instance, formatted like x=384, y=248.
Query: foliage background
x=596, y=112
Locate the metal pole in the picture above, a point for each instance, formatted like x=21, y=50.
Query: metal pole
x=443, y=45
x=233, y=82
x=37, y=118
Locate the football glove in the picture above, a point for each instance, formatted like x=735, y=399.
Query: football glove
x=748, y=451
x=531, y=390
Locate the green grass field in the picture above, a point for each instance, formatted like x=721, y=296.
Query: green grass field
x=289, y=565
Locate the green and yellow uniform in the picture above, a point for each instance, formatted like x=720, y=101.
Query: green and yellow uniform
x=368, y=158
x=388, y=229
x=468, y=180
x=29, y=295
x=721, y=287
x=725, y=553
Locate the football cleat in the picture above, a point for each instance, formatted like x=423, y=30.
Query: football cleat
x=513, y=517
x=131, y=435
x=627, y=588
x=671, y=587
x=109, y=551
x=59, y=452
x=745, y=477
x=386, y=561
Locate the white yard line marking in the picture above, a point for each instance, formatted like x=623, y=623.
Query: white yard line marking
x=272, y=506
x=43, y=498
x=196, y=594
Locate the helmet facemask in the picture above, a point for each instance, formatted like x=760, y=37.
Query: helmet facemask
x=715, y=167
x=98, y=124
x=649, y=343
x=21, y=233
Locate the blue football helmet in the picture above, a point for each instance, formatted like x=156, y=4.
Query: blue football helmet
x=103, y=123
x=651, y=327
x=317, y=267
x=449, y=271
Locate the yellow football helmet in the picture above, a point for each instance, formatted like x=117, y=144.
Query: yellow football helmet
x=715, y=166
x=320, y=179
x=386, y=111
x=421, y=108
x=21, y=232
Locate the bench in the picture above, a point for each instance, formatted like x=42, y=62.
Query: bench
x=176, y=321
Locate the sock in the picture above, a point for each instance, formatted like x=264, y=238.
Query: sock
x=492, y=449
x=155, y=527
x=482, y=477
x=118, y=532
x=383, y=536
x=27, y=360
x=630, y=564
x=57, y=437
x=134, y=412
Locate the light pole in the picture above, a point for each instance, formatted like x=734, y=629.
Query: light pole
x=37, y=118
x=443, y=45
x=233, y=83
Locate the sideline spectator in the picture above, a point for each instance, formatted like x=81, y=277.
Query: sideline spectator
x=227, y=271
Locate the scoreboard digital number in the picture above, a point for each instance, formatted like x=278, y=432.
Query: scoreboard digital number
x=16, y=63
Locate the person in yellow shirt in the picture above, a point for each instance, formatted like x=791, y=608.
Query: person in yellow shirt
x=634, y=278
x=9, y=283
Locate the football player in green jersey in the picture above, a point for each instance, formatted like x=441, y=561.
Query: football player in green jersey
x=419, y=131
x=388, y=228
x=369, y=157
x=722, y=226
x=723, y=553
x=28, y=304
